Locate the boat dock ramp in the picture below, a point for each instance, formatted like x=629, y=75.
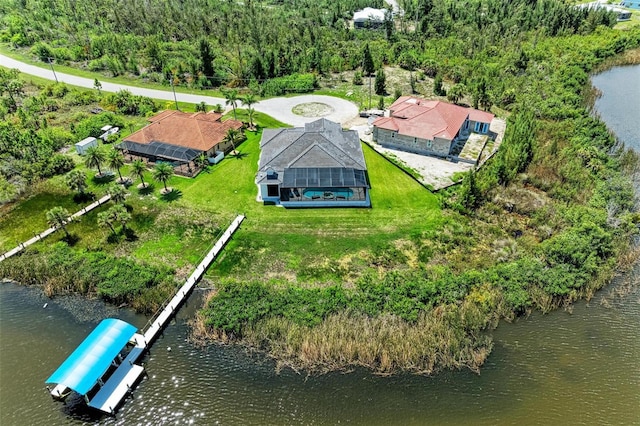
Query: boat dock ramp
x=102, y=351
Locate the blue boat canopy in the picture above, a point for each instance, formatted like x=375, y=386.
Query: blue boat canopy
x=93, y=357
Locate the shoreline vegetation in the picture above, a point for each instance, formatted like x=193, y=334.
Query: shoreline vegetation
x=414, y=284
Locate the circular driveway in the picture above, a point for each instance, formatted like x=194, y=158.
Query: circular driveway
x=282, y=109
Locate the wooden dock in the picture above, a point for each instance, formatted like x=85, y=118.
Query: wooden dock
x=128, y=372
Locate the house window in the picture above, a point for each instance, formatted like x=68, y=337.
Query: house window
x=466, y=124
x=477, y=127
x=485, y=127
x=415, y=140
x=393, y=134
x=428, y=144
x=272, y=190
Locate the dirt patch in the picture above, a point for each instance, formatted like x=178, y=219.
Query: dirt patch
x=312, y=109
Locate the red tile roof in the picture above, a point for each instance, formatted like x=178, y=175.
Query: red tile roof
x=428, y=119
x=198, y=131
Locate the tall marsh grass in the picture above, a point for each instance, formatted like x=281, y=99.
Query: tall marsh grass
x=450, y=336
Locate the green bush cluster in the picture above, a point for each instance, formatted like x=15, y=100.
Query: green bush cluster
x=61, y=269
x=92, y=125
x=563, y=266
x=295, y=83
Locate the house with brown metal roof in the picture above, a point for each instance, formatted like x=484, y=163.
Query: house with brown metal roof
x=179, y=138
x=428, y=127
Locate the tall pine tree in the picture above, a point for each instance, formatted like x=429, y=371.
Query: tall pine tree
x=367, y=61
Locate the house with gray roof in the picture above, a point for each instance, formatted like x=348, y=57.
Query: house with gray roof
x=318, y=165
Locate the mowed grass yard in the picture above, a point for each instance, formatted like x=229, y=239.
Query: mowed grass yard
x=178, y=229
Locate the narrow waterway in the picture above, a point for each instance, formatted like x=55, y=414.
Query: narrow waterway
x=573, y=368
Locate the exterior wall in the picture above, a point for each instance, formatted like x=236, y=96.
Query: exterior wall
x=263, y=191
x=303, y=204
x=263, y=194
x=439, y=147
x=472, y=127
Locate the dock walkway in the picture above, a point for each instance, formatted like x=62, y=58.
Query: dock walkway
x=156, y=326
x=53, y=229
x=120, y=382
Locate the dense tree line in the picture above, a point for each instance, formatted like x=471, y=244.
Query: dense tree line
x=203, y=43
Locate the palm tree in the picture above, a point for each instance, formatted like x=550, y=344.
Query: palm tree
x=162, y=173
x=115, y=160
x=120, y=214
x=106, y=219
x=137, y=170
x=77, y=180
x=232, y=137
x=201, y=161
x=249, y=100
x=118, y=193
x=251, y=111
x=59, y=217
x=231, y=99
x=95, y=156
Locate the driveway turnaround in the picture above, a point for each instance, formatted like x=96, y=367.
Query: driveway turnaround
x=281, y=109
x=334, y=109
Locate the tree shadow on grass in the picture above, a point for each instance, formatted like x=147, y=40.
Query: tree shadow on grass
x=147, y=189
x=239, y=155
x=71, y=239
x=172, y=195
x=104, y=179
x=113, y=238
x=83, y=197
x=130, y=235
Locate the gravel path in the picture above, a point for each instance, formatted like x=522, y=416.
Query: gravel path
x=278, y=108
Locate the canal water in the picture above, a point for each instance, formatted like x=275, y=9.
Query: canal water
x=579, y=367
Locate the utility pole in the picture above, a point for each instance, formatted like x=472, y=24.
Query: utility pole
x=369, y=92
x=175, y=98
x=54, y=71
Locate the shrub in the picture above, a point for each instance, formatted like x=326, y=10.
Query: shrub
x=297, y=83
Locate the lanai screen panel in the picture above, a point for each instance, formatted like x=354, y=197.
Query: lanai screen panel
x=336, y=177
x=82, y=369
x=161, y=150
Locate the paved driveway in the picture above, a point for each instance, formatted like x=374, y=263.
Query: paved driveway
x=281, y=109
x=278, y=108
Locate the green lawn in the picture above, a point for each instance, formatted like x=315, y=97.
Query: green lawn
x=179, y=229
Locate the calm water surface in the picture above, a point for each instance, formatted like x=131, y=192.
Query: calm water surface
x=572, y=368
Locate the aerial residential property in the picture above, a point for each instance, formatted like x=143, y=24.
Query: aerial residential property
x=179, y=138
x=331, y=251
x=622, y=14
x=318, y=165
x=369, y=18
x=430, y=127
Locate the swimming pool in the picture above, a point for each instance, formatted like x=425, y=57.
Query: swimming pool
x=327, y=193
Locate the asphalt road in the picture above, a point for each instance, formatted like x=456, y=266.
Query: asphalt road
x=279, y=108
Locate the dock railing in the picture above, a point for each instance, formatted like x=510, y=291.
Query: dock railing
x=168, y=308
